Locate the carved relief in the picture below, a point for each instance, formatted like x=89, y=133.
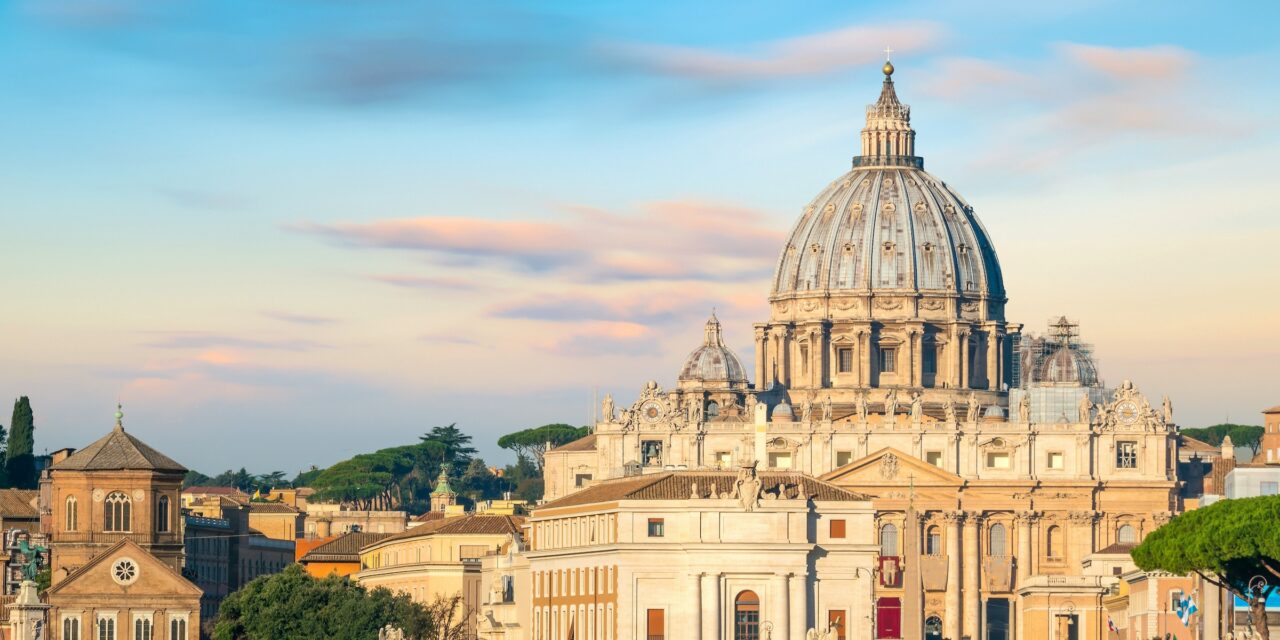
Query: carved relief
x=932, y=304
x=845, y=304
x=888, y=303
x=889, y=467
x=969, y=306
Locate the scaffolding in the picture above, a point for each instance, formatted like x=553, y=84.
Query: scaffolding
x=1054, y=371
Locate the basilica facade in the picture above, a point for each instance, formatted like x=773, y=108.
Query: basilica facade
x=1008, y=481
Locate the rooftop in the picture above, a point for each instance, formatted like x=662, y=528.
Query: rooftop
x=18, y=504
x=473, y=524
x=679, y=485
x=344, y=548
x=587, y=443
x=119, y=451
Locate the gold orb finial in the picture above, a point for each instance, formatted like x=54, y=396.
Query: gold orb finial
x=887, y=68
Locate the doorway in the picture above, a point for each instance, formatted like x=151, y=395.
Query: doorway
x=933, y=628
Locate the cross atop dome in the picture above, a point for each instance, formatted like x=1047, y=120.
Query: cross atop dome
x=888, y=139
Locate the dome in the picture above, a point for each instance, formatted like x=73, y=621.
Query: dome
x=1068, y=365
x=889, y=225
x=713, y=364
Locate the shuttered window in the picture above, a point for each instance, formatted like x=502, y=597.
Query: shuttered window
x=657, y=625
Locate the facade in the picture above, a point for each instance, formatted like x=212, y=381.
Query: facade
x=325, y=519
x=887, y=368
x=210, y=547
x=338, y=556
x=439, y=559
x=687, y=555
x=1269, y=452
x=276, y=520
x=117, y=544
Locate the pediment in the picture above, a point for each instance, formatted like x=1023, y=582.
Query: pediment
x=891, y=467
x=152, y=577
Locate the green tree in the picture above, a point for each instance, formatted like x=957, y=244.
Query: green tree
x=195, y=479
x=19, y=462
x=1242, y=435
x=457, y=449
x=526, y=479
x=1231, y=543
x=292, y=605
x=533, y=443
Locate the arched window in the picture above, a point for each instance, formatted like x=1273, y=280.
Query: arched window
x=162, y=514
x=142, y=629
x=178, y=629
x=116, y=512
x=995, y=541
x=746, y=616
x=1125, y=534
x=888, y=540
x=72, y=515
x=1053, y=542
x=713, y=409
x=933, y=542
x=106, y=629
x=70, y=629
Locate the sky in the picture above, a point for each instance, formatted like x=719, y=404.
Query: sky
x=283, y=232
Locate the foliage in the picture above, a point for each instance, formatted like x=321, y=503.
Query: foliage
x=195, y=479
x=533, y=443
x=1229, y=543
x=1242, y=435
x=44, y=579
x=525, y=478
x=20, y=463
x=292, y=605
x=242, y=480
x=455, y=445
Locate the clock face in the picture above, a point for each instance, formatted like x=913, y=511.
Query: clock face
x=1127, y=412
x=651, y=411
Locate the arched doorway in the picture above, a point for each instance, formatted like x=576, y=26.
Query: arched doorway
x=746, y=616
x=933, y=628
x=888, y=618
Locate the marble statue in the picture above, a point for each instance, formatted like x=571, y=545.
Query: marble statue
x=826, y=407
x=747, y=487
x=971, y=412
x=950, y=410
x=1086, y=408
x=861, y=406
x=1024, y=409
x=606, y=407
x=1168, y=410
x=917, y=407
x=891, y=405
x=806, y=410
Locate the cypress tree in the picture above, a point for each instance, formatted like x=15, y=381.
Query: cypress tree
x=20, y=464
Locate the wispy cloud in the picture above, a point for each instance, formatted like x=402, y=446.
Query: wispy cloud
x=668, y=241
x=602, y=339
x=206, y=340
x=428, y=283
x=299, y=318
x=811, y=55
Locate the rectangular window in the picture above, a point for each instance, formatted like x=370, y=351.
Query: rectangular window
x=804, y=359
x=1269, y=488
x=657, y=528
x=1056, y=461
x=929, y=359
x=651, y=453
x=1126, y=455
x=997, y=460
x=724, y=459
x=656, y=625
x=106, y=629
x=835, y=621
x=837, y=528
x=843, y=458
x=844, y=359
x=933, y=457
x=178, y=629
x=780, y=460
x=1175, y=597
x=71, y=629
x=580, y=480
x=888, y=359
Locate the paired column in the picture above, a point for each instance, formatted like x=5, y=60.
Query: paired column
x=972, y=558
x=953, y=575
x=780, y=609
x=799, y=606
x=711, y=614
x=694, y=604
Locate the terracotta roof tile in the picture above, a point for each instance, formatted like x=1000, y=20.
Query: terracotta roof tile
x=214, y=491
x=1195, y=445
x=118, y=450
x=344, y=548
x=678, y=485
x=17, y=503
x=587, y=443
x=1275, y=409
x=1117, y=548
x=271, y=507
x=474, y=524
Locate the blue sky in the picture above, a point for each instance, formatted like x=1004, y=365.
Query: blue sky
x=283, y=232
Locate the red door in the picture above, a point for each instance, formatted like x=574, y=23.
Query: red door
x=888, y=618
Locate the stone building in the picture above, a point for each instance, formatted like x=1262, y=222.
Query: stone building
x=887, y=367
x=688, y=555
x=117, y=547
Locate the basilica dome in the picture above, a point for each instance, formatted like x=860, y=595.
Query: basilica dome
x=1067, y=365
x=713, y=364
x=887, y=225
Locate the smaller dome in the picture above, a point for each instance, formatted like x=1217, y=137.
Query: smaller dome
x=713, y=363
x=1068, y=365
x=782, y=412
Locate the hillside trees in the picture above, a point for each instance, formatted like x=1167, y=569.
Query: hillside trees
x=1231, y=543
x=534, y=443
x=1242, y=435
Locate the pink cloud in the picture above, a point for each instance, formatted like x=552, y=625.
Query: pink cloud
x=802, y=56
x=1158, y=63
x=427, y=282
x=603, y=339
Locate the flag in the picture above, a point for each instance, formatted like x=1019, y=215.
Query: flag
x=1112, y=625
x=1186, y=608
